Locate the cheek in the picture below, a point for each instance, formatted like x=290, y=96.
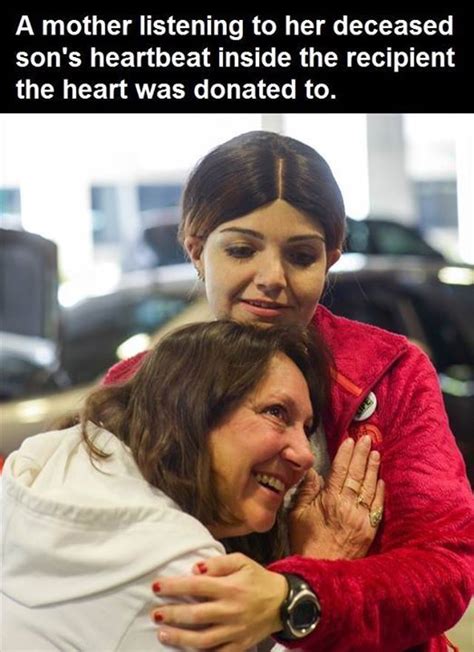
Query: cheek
x=310, y=287
x=216, y=291
x=218, y=279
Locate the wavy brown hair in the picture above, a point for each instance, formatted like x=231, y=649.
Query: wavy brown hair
x=192, y=379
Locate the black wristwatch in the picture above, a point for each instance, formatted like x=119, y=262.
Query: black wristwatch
x=300, y=611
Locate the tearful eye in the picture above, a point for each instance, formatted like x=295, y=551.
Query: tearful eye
x=240, y=251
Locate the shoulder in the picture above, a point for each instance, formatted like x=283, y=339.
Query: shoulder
x=334, y=327
x=361, y=352
x=123, y=370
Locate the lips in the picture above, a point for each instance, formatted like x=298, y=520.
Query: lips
x=264, y=309
x=264, y=303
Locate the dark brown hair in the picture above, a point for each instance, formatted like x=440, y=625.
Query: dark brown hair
x=186, y=385
x=254, y=169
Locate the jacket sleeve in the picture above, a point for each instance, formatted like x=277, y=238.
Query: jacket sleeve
x=418, y=579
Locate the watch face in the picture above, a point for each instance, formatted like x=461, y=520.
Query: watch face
x=304, y=615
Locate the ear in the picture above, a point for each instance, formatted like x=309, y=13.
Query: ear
x=194, y=246
x=332, y=256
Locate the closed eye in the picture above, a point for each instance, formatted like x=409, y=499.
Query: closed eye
x=302, y=258
x=240, y=251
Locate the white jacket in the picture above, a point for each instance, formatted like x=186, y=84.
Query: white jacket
x=81, y=546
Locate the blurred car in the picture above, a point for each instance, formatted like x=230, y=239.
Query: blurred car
x=29, y=273
x=29, y=315
x=429, y=302
x=29, y=365
x=381, y=236
x=98, y=330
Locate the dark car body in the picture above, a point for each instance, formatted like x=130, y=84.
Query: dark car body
x=29, y=315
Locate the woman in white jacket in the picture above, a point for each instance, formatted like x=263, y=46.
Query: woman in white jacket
x=182, y=462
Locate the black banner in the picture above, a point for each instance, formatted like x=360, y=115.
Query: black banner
x=317, y=60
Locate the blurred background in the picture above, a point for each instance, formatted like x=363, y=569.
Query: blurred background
x=91, y=271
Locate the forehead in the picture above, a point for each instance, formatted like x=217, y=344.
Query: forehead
x=283, y=378
x=276, y=219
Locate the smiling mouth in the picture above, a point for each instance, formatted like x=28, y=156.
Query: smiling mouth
x=272, y=305
x=270, y=482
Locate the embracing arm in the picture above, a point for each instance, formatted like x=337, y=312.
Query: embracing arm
x=421, y=581
x=137, y=599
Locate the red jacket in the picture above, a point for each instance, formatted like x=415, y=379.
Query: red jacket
x=418, y=579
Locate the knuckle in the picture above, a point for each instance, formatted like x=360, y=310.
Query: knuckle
x=197, y=613
x=339, y=469
x=192, y=616
x=207, y=640
x=237, y=556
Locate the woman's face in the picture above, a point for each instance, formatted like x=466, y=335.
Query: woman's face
x=261, y=449
x=267, y=266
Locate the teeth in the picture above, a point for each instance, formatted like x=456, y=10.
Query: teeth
x=270, y=481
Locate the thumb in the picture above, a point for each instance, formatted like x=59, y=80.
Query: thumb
x=222, y=565
x=308, y=489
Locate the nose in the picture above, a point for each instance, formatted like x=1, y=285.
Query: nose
x=271, y=276
x=298, y=451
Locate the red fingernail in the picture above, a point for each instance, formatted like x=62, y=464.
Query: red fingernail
x=202, y=568
x=156, y=587
x=157, y=617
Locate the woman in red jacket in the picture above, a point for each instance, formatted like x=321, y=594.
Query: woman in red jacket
x=263, y=221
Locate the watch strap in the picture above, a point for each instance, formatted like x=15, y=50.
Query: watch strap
x=299, y=594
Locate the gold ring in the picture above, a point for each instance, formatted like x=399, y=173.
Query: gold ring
x=353, y=485
x=361, y=501
x=375, y=516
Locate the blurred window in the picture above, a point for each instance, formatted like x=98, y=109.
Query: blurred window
x=358, y=237
x=437, y=203
x=157, y=196
x=105, y=226
x=397, y=240
x=10, y=207
x=383, y=237
x=159, y=206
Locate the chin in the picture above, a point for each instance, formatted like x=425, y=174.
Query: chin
x=263, y=523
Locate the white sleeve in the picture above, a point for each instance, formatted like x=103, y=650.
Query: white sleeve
x=141, y=634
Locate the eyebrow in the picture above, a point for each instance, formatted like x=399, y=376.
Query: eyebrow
x=260, y=236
